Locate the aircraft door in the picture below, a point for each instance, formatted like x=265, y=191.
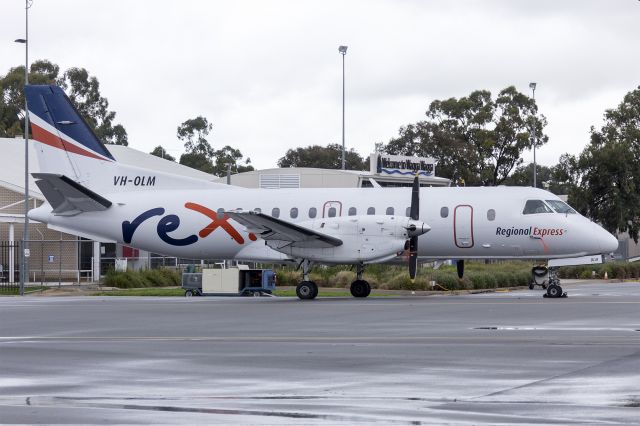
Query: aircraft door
x=332, y=209
x=463, y=226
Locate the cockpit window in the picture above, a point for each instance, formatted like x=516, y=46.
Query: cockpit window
x=536, y=206
x=560, y=206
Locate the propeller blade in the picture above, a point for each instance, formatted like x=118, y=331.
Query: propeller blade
x=413, y=257
x=415, y=199
x=460, y=268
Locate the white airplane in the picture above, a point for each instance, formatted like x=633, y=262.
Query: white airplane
x=90, y=194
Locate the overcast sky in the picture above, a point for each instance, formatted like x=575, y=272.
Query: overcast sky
x=268, y=74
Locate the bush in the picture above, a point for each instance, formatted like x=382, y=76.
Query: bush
x=140, y=279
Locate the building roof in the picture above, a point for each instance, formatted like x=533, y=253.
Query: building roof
x=12, y=165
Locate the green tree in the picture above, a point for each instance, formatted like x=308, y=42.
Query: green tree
x=229, y=155
x=82, y=89
x=199, y=153
x=329, y=157
x=12, y=94
x=557, y=179
x=84, y=92
x=475, y=139
x=159, y=151
x=607, y=172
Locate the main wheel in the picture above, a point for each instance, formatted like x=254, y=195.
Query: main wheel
x=307, y=290
x=360, y=288
x=368, y=289
x=554, y=291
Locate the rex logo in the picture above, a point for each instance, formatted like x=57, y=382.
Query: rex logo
x=171, y=222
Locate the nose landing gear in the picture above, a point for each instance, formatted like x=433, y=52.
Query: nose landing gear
x=547, y=278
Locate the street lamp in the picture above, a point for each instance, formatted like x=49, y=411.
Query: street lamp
x=343, y=52
x=532, y=86
x=24, y=274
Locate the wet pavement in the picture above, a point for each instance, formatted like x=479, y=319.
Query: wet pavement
x=492, y=358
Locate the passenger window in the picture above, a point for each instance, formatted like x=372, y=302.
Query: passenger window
x=293, y=213
x=371, y=211
x=275, y=212
x=407, y=212
x=444, y=212
x=220, y=213
x=332, y=212
x=535, y=207
x=389, y=211
x=491, y=214
x=313, y=212
x=352, y=211
x=561, y=206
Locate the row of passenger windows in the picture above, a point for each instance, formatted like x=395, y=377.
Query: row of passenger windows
x=332, y=212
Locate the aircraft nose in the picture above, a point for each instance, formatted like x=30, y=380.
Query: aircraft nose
x=608, y=243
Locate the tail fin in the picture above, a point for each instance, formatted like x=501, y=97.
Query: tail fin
x=66, y=146
x=61, y=131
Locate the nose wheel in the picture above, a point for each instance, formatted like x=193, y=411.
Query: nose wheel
x=554, y=290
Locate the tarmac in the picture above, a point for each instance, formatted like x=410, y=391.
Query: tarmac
x=492, y=358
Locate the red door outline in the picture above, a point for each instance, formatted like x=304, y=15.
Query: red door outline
x=327, y=205
x=455, y=225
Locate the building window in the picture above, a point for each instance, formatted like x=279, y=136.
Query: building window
x=389, y=211
x=371, y=211
x=313, y=212
x=293, y=213
x=444, y=212
x=332, y=212
x=275, y=212
x=353, y=211
x=491, y=214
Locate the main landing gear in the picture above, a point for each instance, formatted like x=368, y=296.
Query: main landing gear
x=360, y=287
x=306, y=290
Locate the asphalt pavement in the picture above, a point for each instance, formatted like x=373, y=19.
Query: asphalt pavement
x=492, y=358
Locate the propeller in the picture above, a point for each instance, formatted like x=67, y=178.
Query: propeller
x=460, y=268
x=413, y=241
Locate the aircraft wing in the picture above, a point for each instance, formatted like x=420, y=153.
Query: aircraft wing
x=67, y=197
x=271, y=229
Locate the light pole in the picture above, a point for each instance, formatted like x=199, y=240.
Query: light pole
x=532, y=86
x=24, y=274
x=343, y=52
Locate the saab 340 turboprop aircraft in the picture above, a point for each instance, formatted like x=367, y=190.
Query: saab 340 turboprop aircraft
x=90, y=194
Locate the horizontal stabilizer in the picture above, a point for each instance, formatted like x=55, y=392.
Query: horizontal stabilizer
x=271, y=229
x=67, y=197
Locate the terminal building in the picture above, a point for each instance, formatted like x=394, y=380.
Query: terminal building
x=384, y=170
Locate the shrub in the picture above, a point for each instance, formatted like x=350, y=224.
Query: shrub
x=139, y=279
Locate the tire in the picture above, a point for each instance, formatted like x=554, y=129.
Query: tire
x=554, y=291
x=368, y=289
x=359, y=288
x=307, y=290
x=531, y=285
x=188, y=293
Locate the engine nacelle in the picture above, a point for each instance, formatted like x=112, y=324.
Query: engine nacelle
x=366, y=239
